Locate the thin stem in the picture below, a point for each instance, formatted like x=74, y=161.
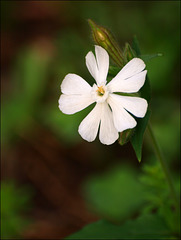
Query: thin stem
x=164, y=166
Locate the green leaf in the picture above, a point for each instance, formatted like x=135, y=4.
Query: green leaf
x=144, y=227
x=111, y=195
x=137, y=139
x=157, y=195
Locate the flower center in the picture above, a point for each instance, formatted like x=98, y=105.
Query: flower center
x=100, y=91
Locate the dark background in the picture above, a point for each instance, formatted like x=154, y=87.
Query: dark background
x=44, y=160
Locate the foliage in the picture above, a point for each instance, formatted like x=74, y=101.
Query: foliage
x=144, y=227
x=158, y=196
x=118, y=195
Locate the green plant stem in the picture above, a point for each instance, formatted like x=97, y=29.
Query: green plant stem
x=163, y=164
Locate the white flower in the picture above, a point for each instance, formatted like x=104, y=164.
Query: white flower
x=111, y=111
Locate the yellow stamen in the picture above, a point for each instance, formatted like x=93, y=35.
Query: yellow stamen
x=100, y=91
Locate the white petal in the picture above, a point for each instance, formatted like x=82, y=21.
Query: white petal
x=70, y=104
x=92, y=65
x=122, y=119
x=74, y=84
x=136, y=65
x=129, y=85
x=98, y=67
x=135, y=105
x=89, y=126
x=108, y=133
x=102, y=58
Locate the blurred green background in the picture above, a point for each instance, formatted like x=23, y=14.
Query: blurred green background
x=45, y=162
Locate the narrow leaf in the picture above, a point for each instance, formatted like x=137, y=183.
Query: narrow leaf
x=137, y=139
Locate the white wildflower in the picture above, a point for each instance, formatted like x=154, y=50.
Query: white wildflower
x=111, y=111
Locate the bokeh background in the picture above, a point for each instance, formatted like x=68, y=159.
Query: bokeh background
x=45, y=164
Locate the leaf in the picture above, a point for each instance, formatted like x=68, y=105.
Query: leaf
x=158, y=195
x=145, y=227
x=111, y=195
x=137, y=139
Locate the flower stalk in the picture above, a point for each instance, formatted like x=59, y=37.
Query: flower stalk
x=163, y=164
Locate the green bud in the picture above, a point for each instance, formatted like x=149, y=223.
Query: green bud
x=125, y=136
x=105, y=39
x=128, y=53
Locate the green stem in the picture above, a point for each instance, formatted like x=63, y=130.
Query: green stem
x=163, y=164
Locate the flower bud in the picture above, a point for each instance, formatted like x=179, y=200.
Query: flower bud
x=105, y=39
x=125, y=136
